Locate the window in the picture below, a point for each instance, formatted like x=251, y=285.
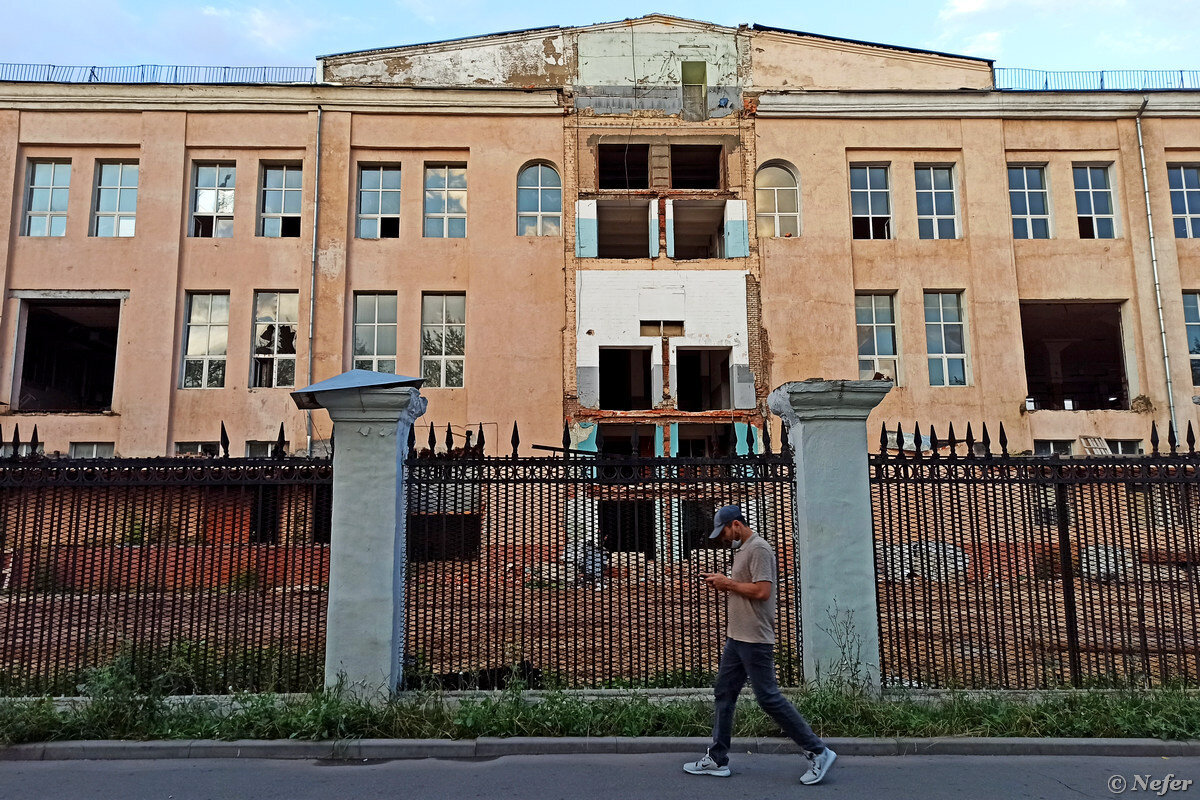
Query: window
x=1029, y=203
x=623, y=229
x=446, y=201
x=92, y=450
x=870, y=204
x=696, y=166
x=1074, y=356
x=1191, y=318
x=209, y=449
x=1125, y=447
x=1185, y=200
x=378, y=202
x=70, y=355
x=276, y=316
x=945, y=339
x=281, y=194
x=777, y=202
x=625, y=379
x=1094, y=203
x=116, y=199
x=375, y=332
x=623, y=166
x=443, y=339
x=212, y=201
x=46, y=203
x=1053, y=447
x=24, y=450
x=539, y=201
x=876, y=320
x=935, y=203
x=205, y=341
x=702, y=382
x=695, y=90
x=264, y=449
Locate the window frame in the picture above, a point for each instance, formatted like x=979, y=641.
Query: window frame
x=1190, y=218
x=871, y=193
x=379, y=190
x=118, y=215
x=940, y=324
x=937, y=218
x=875, y=358
x=1029, y=218
x=257, y=360
x=372, y=360
x=50, y=214
x=207, y=359
x=541, y=227
x=442, y=357
x=1191, y=327
x=217, y=215
x=77, y=450
x=198, y=448
x=445, y=217
x=287, y=193
x=1092, y=192
x=776, y=215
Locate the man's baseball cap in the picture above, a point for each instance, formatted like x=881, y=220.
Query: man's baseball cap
x=724, y=516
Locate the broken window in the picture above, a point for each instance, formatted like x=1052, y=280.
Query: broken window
x=443, y=340
x=1074, y=358
x=70, y=355
x=378, y=201
x=702, y=380
x=1027, y=198
x=875, y=317
x=46, y=200
x=696, y=166
x=623, y=228
x=699, y=228
x=1094, y=203
x=276, y=318
x=445, y=201
x=205, y=341
x=212, y=200
x=695, y=90
x=279, y=212
x=623, y=166
x=115, y=209
x=776, y=202
x=625, y=379
x=539, y=201
x=870, y=202
x=375, y=332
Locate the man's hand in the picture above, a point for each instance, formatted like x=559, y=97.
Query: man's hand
x=716, y=580
x=759, y=590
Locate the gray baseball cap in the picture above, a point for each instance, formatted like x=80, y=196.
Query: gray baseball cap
x=724, y=516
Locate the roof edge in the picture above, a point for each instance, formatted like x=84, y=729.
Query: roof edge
x=771, y=29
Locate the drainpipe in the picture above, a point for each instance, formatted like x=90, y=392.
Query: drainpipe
x=312, y=284
x=1162, y=328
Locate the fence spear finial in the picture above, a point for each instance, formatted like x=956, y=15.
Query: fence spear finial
x=1153, y=438
x=224, y=440
x=1191, y=439
x=970, y=441
x=515, y=439
x=479, y=439
x=918, y=450
x=785, y=443
x=899, y=440
x=933, y=443
x=883, y=439
x=987, y=442
x=412, y=440
x=953, y=443
x=280, y=444
x=1171, y=438
x=1003, y=441
x=449, y=438
x=432, y=439
x=16, y=441
x=767, y=434
x=566, y=437
x=599, y=437
x=33, y=442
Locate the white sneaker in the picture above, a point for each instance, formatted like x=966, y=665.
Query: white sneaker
x=818, y=765
x=706, y=766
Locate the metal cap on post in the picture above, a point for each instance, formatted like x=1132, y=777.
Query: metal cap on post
x=373, y=414
x=826, y=422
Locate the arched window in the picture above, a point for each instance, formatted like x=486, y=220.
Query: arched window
x=539, y=201
x=777, y=201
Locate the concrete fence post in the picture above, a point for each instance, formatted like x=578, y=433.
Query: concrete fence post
x=364, y=637
x=835, y=544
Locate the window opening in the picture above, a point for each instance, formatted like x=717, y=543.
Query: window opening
x=623, y=166
x=92, y=450
x=443, y=339
x=206, y=341
x=378, y=202
x=776, y=203
x=46, y=204
x=935, y=203
x=539, y=201
x=1074, y=359
x=1027, y=197
x=1191, y=318
x=696, y=166
x=699, y=228
x=212, y=200
x=876, y=321
x=70, y=356
x=375, y=332
x=1185, y=200
x=870, y=203
x=276, y=318
x=1094, y=203
x=281, y=197
x=623, y=229
x=116, y=199
x=945, y=339
x=625, y=379
x=695, y=90
x=445, y=201
x=702, y=379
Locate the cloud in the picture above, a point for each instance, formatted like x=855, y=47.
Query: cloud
x=275, y=29
x=988, y=44
x=960, y=9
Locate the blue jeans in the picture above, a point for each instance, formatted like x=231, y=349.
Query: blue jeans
x=741, y=660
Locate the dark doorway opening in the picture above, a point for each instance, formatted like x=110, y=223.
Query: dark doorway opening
x=1073, y=356
x=70, y=356
x=702, y=380
x=627, y=526
x=625, y=379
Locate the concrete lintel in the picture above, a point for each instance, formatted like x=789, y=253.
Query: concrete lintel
x=69, y=294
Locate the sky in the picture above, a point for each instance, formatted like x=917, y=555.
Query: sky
x=1035, y=34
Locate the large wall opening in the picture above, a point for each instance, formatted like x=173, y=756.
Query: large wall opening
x=699, y=227
x=623, y=228
x=702, y=380
x=695, y=166
x=623, y=166
x=625, y=379
x=70, y=355
x=1074, y=358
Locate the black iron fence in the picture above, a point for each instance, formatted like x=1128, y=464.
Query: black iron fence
x=1007, y=571
x=203, y=575
x=582, y=569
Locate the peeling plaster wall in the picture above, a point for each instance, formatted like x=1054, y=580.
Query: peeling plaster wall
x=493, y=61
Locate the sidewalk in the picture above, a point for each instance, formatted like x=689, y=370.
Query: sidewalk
x=393, y=749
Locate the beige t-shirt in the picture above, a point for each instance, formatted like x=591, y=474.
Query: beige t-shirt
x=752, y=620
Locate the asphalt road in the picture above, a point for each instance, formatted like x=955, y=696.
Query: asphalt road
x=620, y=777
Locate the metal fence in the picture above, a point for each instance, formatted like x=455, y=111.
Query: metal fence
x=198, y=575
x=582, y=570
x=1095, y=80
x=154, y=73
x=1019, y=572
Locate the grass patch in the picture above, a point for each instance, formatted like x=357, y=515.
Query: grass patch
x=123, y=707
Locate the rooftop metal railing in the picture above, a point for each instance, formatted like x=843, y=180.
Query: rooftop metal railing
x=155, y=73
x=1112, y=79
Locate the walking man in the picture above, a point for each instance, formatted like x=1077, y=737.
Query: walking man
x=750, y=650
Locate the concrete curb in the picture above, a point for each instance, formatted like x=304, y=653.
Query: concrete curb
x=489, y=747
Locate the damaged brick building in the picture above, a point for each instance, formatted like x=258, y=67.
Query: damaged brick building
x=644, y=224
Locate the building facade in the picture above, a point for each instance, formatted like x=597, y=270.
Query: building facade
x=643, y=225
